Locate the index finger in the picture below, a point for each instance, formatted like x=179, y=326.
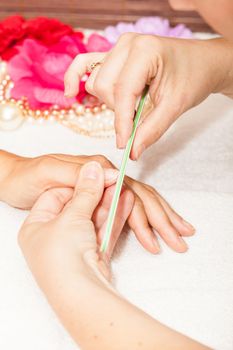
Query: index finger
x=129, y=87
x=78, y=69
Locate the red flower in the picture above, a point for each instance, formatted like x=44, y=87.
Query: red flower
x=48, y=31
x=11, y=32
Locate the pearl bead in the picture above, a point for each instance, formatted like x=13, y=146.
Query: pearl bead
x=51, y=119
x=79, y=110
x=10, y=117
x=40, y=120
x=30, y=119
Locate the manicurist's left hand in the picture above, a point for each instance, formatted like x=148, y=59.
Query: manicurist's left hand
x=66, y=226
x=60, y=241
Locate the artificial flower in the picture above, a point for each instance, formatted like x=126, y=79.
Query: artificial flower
x=38, y=72
x=147, y=25
x=11, y=32
x=98, y=43
x=48, y=31
x=15, y=29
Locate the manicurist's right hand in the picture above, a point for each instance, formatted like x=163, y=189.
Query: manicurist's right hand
x=181, y=74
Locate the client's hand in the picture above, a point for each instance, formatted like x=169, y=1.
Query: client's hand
x=23, y=180
x=152, y=215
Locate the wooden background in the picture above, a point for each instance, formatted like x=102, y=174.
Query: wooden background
x=99, y=13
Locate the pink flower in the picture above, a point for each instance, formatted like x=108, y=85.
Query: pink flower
x=97, y=43
x=37, y=71
x=147, y=25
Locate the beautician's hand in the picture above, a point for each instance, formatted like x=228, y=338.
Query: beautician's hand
x=66, y=226
x=181, y=74
x=59, y=240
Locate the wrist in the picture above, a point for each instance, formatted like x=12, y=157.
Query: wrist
x=83, y=269
x=222, y=57
x=96, y=268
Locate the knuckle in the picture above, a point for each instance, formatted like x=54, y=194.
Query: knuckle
x=89, y=87
x=150, y=189
x=79, y=59
x=88, y=191
x=139, y=204
x=151, y=194
x=141, y=41
x=119, y=88
x=101, y=159
x=101, y=87
x=44, y=163
x=146, y=42
x=126, y=37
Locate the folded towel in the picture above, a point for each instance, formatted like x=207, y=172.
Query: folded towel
x=190, y=292
x=192, y=167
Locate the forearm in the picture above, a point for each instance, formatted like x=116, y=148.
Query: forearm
x=98, y=318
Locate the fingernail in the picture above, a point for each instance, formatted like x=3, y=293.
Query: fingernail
x=182, y=242
x=91, y=170
x=111, y=175
x=120, y=141
x=139, y=151
x=67, y=90
x=188, y=225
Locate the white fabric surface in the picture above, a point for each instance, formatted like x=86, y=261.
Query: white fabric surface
x=192, y=166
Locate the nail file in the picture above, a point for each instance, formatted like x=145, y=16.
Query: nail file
x=120, y=180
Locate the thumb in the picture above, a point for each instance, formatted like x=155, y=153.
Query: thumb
x=88, y=191
x=154, y=126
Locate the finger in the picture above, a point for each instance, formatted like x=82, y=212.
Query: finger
x=88, y=191
x=63, y=171
x=184, y=227
x=160, y=221
x=139, y=224
x=154, y=126
x=49, y=205
x=124, y=208
x=78, y=69
x=99, y=90
x=102, y=210
x=158, y=218
x=103, y=91
x=102, y=81
x=131, y=82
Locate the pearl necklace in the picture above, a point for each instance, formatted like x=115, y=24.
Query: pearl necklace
x=95, y=120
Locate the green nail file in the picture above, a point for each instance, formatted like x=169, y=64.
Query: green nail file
x=120, y=180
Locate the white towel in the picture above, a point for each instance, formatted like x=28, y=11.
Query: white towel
x=192, y=166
